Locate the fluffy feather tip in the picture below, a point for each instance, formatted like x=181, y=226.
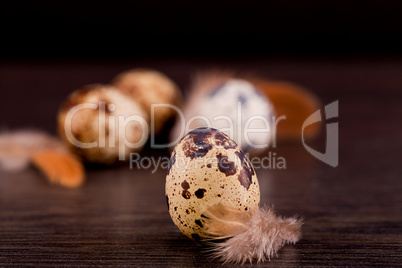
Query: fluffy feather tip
x=241, y=236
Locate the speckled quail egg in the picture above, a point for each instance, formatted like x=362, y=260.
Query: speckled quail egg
x=102, y=124
x=149, y=87
x=207, y=168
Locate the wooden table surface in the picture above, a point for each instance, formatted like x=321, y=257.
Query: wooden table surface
x=119, y=217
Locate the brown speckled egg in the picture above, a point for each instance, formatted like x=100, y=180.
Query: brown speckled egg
x=207, y=168
x=91, y=130
x=151, y=87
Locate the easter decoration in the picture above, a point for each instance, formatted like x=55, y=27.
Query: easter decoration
x=213, y=196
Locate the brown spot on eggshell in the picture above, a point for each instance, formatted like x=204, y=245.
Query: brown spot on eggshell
x=185, y=185
x=196, y=143
x=186, y=194
x=200, y=193
x=226, y=166
x=245, y=179
x=247, y=171
x=199, y=223
x=196, y=237
x=223, y=140
x=246, y=164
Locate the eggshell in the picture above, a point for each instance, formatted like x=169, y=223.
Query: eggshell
x=151, y=87
x=100, y=124
x=207, y=168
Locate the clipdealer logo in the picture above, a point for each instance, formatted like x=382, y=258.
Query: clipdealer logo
x=331, y=154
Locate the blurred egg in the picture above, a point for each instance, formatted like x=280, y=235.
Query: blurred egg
x=207, y=168
x=235, y=107
x=151, y=87
x=102, y=124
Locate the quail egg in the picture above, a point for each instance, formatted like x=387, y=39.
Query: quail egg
x=234, y=106
x=102, y=124
x=206, y=168
x=149, y=87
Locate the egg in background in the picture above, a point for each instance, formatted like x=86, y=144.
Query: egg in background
x=231, y=105
x=148, y=87
x=89, y=124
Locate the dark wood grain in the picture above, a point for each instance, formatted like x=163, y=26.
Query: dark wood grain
x=352, y=213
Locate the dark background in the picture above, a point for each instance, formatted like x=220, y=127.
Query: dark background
x=133, y=29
